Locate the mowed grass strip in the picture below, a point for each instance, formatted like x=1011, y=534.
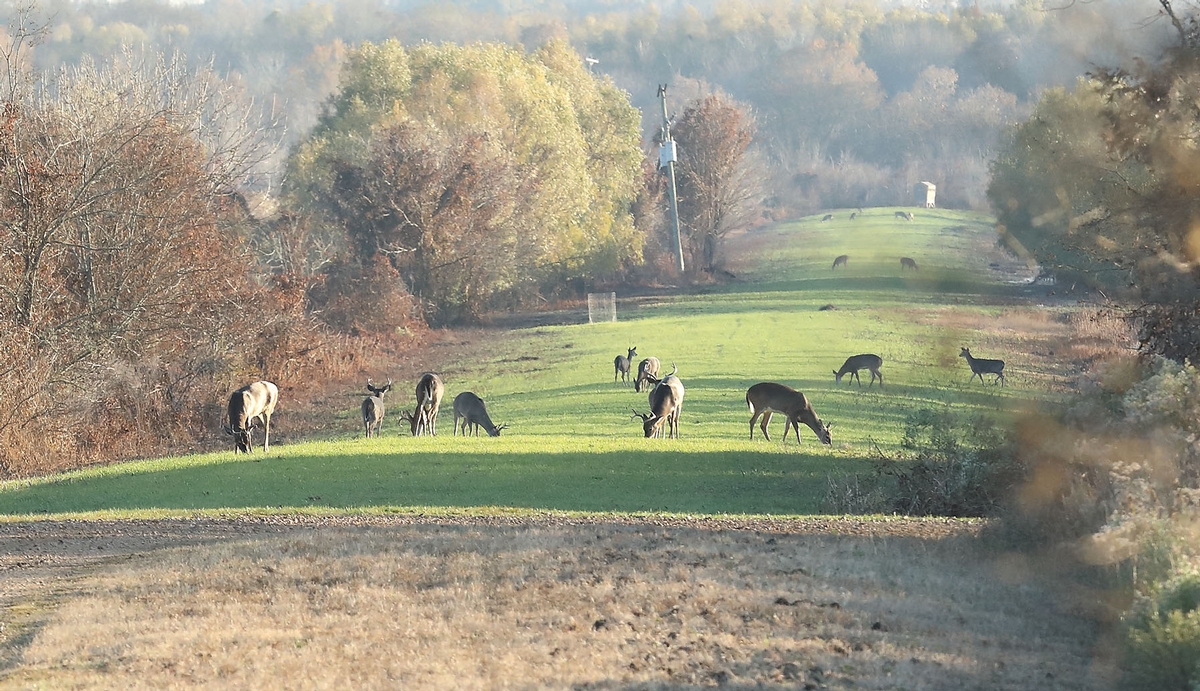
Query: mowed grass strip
x=571, y=444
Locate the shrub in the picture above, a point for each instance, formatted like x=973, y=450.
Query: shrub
x=1162, y=637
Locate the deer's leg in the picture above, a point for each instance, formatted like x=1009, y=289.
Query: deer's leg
x=753, y=419
x=766, y=420
x=266, y=432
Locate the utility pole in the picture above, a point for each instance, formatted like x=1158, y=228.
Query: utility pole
x=666, y=156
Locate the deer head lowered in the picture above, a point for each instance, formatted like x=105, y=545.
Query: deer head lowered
x=423, y=419
x=768, y=397
x=248, y=406
x=666, y=403
x=473, y=412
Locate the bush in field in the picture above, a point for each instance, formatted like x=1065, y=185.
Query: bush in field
x=1162, y=638
x=948, y=466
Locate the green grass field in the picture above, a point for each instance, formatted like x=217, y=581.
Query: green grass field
x=571, y=445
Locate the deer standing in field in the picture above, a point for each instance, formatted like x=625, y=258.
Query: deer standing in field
x=473, y=412
x=372, y=408
x=908, y=263
x=906, y=215
x=647, y=374
x=766, y=398
x=853, y=215
x=666, y=403
x=248, y=406
x=982, y=366
x=423, y=419
x=621, y=366
x=827, y=217
x=854, y=363
x=841, y=260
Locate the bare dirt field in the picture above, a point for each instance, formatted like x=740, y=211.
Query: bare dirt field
x=532, y=602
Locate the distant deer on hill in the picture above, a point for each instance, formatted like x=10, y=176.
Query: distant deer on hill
x=248, y=406
x=372, y=408
x=982, y=366
x=908, y=263
x=853, y=215
x=906, y=215
x=766, y=398
x=841, y=261
x=827, y=217
x=854, y=363
x=621, y=366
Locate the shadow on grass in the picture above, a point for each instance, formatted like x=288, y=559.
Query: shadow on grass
x=761, y=478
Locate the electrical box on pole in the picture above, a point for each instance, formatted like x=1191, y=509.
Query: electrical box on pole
x=666, y=158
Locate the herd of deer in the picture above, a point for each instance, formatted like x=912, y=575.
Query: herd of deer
x=252, y=405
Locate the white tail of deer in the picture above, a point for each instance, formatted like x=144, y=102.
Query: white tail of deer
x=908, y=263
x=473, y=412
x=766, y=398
x=423, y=419
x=372, y=408
x=666, y=403
x=854, y=363
x=982, y=366
x=841, y=260
x=248, y=406
x=647, y=374
x=621, y=366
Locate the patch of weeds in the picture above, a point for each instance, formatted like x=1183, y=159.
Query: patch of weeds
x=949, y=465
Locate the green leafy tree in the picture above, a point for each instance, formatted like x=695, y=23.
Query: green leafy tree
x=565, y=143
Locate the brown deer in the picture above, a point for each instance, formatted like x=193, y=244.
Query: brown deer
x=248, y=406
x=647, y=374
x=841, y=260
x=908, y=263
x=827, y=217
x=854, y=363
x=473, y=412
x=766, y=398
x=372, y=408
x=853, y=215
x=982, y=366
x=666, y=403
x=423, y=419
x=906, y=215
x=621, y=366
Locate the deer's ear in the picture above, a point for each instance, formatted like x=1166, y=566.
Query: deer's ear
x=828, y=425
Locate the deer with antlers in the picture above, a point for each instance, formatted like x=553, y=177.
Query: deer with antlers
x=666, y=403
x=248, y=406
x=423, y=419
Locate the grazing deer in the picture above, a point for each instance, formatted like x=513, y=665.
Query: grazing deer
x=828, y=217
x=646, y=375
x=853, y=215
x=982, y=366
x=908, y=263
x=666, y=403
x=423, y=419
x=248, y=406
x=906, y=215
x=841, y=261
x=372, y=408
x=473, y=412
x=621, y=366
x=854, y=363
x=766, y=398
